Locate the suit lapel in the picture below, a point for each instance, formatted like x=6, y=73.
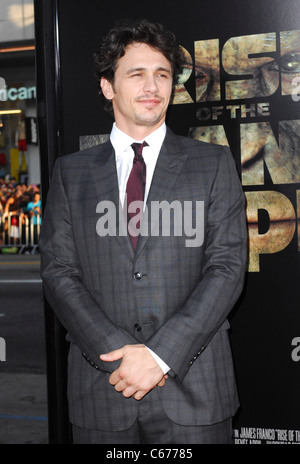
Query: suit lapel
x=169, y=165
x=104, y=175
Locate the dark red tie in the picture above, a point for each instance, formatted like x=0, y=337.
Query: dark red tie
x=135, y=188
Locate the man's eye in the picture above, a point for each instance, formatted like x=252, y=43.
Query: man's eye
x=290, y=63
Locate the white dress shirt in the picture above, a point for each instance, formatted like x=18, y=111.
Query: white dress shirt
x=124, y=159
x=124, y=156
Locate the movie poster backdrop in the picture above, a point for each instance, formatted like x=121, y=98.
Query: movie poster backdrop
x=240, y=87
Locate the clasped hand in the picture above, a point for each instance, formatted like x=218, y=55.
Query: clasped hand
x=138, y=372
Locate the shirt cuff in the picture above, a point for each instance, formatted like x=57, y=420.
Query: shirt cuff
x=165, y=368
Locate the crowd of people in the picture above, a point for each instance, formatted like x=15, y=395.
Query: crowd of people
x=20, y=205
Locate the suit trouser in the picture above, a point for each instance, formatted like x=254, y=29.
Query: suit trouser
x=153, y=426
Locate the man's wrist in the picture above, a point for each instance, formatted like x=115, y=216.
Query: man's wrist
x=164, y=367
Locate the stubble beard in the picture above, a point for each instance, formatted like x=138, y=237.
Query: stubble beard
x=152, y=118
x=142, y=120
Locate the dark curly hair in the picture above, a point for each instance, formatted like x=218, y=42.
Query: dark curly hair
x=125, y=33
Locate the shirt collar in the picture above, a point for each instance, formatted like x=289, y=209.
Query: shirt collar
x=121, y=141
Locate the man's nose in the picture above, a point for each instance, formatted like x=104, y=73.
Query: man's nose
x=150, y=84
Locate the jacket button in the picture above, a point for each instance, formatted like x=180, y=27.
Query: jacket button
x=201, y=351
x=138, y=327
x=137, y=275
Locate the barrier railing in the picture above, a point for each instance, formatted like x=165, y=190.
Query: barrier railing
x=19, y=233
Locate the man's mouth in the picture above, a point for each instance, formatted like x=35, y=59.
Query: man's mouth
x=149, y=102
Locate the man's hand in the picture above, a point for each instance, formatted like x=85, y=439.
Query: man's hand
x=138, y=372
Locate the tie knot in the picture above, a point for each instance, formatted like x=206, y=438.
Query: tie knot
x=138, y=148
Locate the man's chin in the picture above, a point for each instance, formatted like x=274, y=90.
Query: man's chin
x=142, y=120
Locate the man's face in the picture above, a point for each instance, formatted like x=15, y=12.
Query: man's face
x=141, y=89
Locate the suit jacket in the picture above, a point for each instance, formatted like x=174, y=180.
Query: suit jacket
x=172, y=297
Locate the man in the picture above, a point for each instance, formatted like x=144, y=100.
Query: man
x=34, y=208
x=149, y=358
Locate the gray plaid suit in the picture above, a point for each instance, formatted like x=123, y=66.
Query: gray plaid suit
x=178, y=302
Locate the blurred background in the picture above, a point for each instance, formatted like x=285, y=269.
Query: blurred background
x=23, y=398
x=18, y=135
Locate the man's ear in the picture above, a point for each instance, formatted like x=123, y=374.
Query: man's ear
x=107, y=89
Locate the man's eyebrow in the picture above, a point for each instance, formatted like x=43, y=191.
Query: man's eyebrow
x=167, y=70
x=141, y=68
x=131, y=70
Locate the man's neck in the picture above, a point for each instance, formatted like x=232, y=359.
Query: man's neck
x=139, y=133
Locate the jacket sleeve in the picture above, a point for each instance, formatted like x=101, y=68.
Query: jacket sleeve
x=86, y=323
x=184, y=336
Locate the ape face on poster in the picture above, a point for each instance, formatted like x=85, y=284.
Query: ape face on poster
x=240, y=86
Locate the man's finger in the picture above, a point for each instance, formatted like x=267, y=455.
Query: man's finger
x=120, y=386
x=115, y=377
x=139, y=395
x=161, y=383
x=128, y=392
x=112, y=355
